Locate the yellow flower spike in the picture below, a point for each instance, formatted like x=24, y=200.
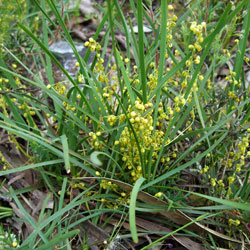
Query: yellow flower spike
x=77, y=64
x=98, y=173
x=14, y=66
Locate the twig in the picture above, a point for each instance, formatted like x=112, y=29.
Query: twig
x=16, y=89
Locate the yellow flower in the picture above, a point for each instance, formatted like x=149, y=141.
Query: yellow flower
x=158, y=195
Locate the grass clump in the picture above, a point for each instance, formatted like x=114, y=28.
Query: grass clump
x=150, y=128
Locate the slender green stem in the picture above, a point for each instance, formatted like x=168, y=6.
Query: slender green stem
x=141, y=50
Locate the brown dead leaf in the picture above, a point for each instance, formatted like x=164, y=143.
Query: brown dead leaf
x=176, y=216
x=16, y=178
x=94, y=234
x=184, y=241
x=79, y=34
x=18, y=212
x=143, y=224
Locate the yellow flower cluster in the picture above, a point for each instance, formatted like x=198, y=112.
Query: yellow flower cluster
x=226, y=52
x=9, y=13
x=204, y=170
x=3, y=161
x=135, y=144
x=236, y=84
x=93, y=45
x=108, y=184
x=153, y=79
x=142, y=123
x=94, y=141
x=237, y=157
x=60, y=88
x=234, y=222
x=198, y=30
x=232, y=162
x=172, y=18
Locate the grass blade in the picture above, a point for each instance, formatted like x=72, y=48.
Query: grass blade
x=141, y=50
x=65, y=152
x=132, y=206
